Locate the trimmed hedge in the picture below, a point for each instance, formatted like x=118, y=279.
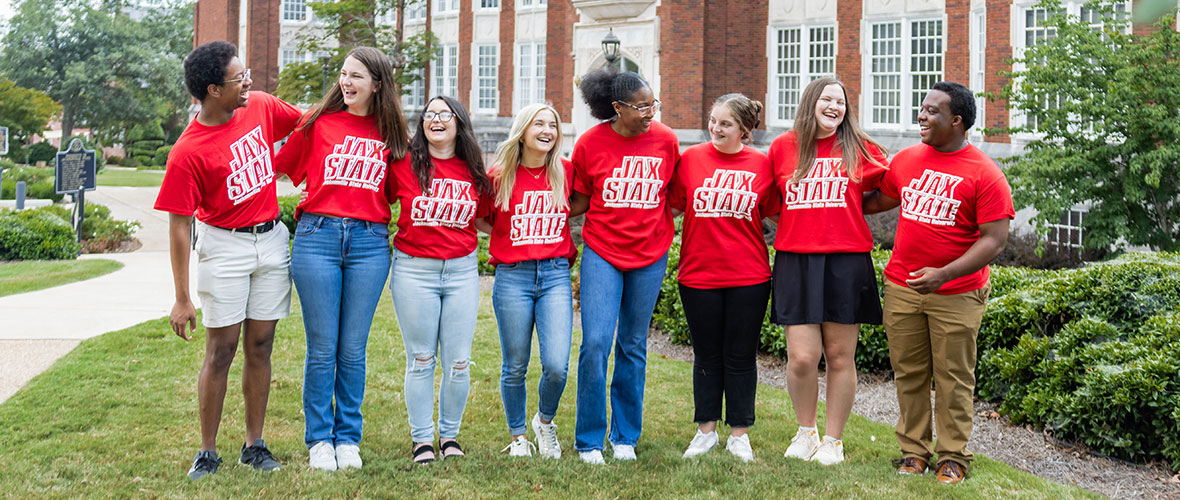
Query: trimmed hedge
x=100, y=233
x=35, y=235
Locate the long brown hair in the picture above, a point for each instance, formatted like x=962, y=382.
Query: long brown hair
x=850, y=138
x=466, y=148
x=386, y=106
x=509, y=153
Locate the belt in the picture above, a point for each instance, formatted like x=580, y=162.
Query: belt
x=259, y=229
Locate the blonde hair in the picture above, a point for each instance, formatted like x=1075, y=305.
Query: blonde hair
x=509, y=153
x=850, y=138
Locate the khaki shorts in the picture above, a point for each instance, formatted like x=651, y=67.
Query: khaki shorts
x=243, y=275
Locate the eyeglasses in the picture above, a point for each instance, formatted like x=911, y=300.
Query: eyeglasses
x=245, y=75
x=444, y=116
x=646, y=110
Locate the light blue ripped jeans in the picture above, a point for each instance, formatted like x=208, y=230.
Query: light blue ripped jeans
x=436, y=301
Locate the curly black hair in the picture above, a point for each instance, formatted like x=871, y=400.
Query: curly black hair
x=205, y=66
x=602, y=87
x=962, y=101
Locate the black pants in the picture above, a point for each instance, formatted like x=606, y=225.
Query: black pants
x=725, y=325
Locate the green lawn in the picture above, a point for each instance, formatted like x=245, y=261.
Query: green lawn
x=28, y=275
x=133, y=178
x=117, y=418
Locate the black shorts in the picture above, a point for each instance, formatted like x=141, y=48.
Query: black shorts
x=811, y=288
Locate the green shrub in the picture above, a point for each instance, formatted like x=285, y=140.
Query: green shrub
x=132, y=162
x=35, y=235
x=482, y=246
x=41, y=190
x=114, y=160
x=161, y=156
x=100, y=233
x=42, y=151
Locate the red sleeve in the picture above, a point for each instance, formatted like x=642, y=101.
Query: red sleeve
x=284, y=117
x=888, y=184
x=772, y=200
x=993, y=198
x=180, y=192
x=871, y=173
x=290, y=159
x=390, y=178
x=582, y=182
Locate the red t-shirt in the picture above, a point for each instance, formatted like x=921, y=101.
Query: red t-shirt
x=721, y=244
x=944, y=198
x=224, y=174
x=532, y=228
x=344, y=163
x=626, y=178
x=822, y=212
x=438, y=224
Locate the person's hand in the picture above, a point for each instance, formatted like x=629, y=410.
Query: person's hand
x=927, y=280
x=302, y=196
x=183, y=314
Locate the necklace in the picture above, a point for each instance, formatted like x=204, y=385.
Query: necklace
x=530, y=171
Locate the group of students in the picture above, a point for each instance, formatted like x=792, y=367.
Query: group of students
x=356, y=156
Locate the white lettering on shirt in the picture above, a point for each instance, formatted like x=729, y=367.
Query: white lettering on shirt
x=729, y=193
x=250, y=167
x=536, y=221
x=931, y=199
x=635, y=184
x=449, y=204
x=357, y=162
x=823, y=187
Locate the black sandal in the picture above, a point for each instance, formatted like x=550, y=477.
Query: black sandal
x=446, y=445
x=420, y=452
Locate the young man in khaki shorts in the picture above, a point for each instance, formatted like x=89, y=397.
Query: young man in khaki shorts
x=955, y=209
x=221, y=170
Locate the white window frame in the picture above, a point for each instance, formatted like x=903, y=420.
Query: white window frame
x=289, y=11
x=531, y=4
x=444, y=70
x=486, y=62
x=486, y=5
x=529, y=80
x=787, y=85
x=978, y=78
x=446, y=7
x=414, y=94
x=1061, y=234
x=908, y=70
x=416, y=14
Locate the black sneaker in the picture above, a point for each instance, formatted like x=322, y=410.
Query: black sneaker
x=205, y=463
x=258, y=456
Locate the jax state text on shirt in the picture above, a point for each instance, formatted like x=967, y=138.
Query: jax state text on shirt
x=729, y=193
x=931, y=199
x=357, y=162
x=635, y=184
x=251, y=168
x=536, y=221
x=449, y=204
x=823, y=187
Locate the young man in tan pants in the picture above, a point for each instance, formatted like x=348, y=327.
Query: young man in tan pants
x=955, y=209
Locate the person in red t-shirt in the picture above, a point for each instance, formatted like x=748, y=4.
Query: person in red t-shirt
x=824, y=281
x=220, y=169
x=622, y=167
x=724, y=270
x=340, y=258
x=531, y=247
x=956, y=206
x=434, y=277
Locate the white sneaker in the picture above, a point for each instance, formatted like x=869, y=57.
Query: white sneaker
x=623, y=451
x=592, y=457
x=830, y=452
x=701, y=444
x=519, y=447
x=348, y=456
x=803, y=445
x=547, y=444
x=739, y=446
x=322, y=456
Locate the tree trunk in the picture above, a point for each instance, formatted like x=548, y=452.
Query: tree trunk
x=399, y=59
x=67, y=126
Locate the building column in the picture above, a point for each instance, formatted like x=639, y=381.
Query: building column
x=682, y=59
x=507, y=70
x=559, y=63
x=215, y=20
x=999, y=51
x=465, y=62
x=848, y=18
x=262, y=51
x=957, y=57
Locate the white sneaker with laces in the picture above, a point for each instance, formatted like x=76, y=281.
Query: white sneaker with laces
x=592, y=457
x=546, y=434
x=348, y=456
x=739, y=446
x=830, y=452
x=804, y=444
x=519, y=447
x=701, y=444
x=322, y=455
x=623, y=451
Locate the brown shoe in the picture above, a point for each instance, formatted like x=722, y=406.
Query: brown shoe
x=912, y=466
x=950, y=472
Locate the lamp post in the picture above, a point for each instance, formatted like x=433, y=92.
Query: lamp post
x=610, y=47
x=325, y=59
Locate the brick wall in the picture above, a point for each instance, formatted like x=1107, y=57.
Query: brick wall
x=263, y=44
x=848, y=16
x=507, y=53
x=958, y=42
x=465, y=38
x=427, y=82
x=682, y=43
x=215, y=20
x=559, y=65
x=999, y=50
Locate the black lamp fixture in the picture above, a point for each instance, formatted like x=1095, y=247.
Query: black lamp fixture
x=325, y=59
x=610, y=47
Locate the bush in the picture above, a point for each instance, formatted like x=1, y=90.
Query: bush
x=35, y=235
x=1027, y=249
x=40, y=190
x=161, y=156
x=42, y=151
x=100, y=233
x=132, y=162
x=114, y=160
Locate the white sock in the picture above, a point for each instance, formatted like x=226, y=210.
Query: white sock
x=811, y=429
x=830, y=438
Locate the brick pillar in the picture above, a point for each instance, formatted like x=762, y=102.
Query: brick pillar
x=263, y=43
x=215, y=20
x=848, y=16
x=682, y=59
x=957, y=67
x=999, y=51
x=559, y=65
x=465, y=38
x=507, y=53
x=744, y=64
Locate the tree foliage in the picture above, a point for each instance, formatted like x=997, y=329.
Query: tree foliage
x=24, y=111
x=1104, y=106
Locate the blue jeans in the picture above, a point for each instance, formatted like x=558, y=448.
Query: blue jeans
x=611, y=298
x=339, y=268
x=436, y=301
x=527, y=293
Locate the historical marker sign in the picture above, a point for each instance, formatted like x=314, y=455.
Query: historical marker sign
x=3, y=140
x=75, y=169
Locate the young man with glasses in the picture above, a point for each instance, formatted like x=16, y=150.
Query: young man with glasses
x=221, y=170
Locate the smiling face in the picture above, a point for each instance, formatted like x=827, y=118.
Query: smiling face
x=938, y=125
x=357, y=85
x=829, y=110
x=439, y=133
x=541, y=134
x=724, y=130
x=235, y=88
x=632, y=121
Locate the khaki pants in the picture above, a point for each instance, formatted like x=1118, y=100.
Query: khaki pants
x=934, y=336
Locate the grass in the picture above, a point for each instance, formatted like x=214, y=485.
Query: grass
x=117, y=418
x=28, y=275
x=133, y=178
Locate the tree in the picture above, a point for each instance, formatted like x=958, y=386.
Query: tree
x=1105, y=107
x=351, y=23
x=25, y=112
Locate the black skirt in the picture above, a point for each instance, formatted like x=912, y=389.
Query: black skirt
x=811, y=288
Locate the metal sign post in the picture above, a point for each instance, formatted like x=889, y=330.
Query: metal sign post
x=75, y=174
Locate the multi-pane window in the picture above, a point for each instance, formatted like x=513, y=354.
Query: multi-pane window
x=530, y=3
x=979, y=62
x=445, y=70
x=487, y=79
x=489, y=4
x=414, y=94
x=925, y=62
x=294, y=10
x=530, y=73
x=910, y=48
x=288, y=56
x=446, y=6
x=416, y=12
x=1067, y=233
x=886, y=73
x=801, y=54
